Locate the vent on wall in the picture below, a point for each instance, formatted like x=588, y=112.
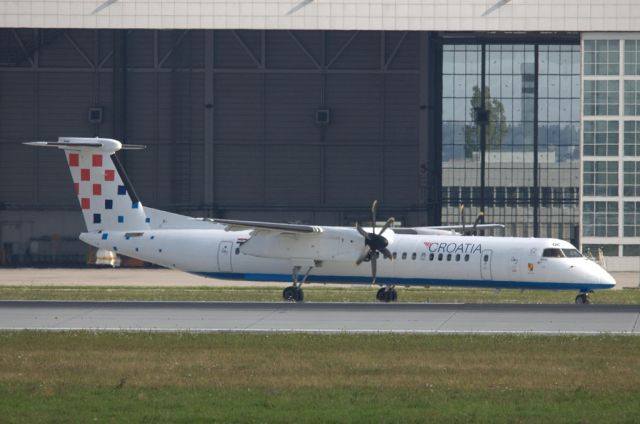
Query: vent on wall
x=95, y=115
x=323, y=116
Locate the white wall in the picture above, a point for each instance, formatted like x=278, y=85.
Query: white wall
x=441, y=15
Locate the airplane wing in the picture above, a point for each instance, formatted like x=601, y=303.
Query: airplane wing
x=466, y=227
x=297, y=242
x=236, y=225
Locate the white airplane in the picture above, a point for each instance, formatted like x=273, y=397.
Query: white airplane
x=265, y=251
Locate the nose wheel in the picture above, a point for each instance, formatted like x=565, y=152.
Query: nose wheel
x=583, y=299
x=387, y=294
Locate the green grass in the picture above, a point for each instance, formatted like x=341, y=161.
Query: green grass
x=312, y=294
x=182, y=377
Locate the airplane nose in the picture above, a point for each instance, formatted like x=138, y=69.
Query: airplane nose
x=607, y=279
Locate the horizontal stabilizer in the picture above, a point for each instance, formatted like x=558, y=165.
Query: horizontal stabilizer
x=60, y=144
x=106, y=145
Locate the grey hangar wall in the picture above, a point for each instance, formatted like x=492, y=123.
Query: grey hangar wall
x=307, y=126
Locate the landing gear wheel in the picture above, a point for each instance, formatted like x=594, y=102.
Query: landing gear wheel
x=387, y=295
x=393, y=295
x=293, y=294
x=583, y=299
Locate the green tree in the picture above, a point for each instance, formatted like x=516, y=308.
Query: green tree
x=496, y=122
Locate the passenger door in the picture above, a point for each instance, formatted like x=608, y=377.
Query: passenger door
x=485, y=264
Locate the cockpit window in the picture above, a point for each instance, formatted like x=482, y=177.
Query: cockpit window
x=572, y=253
x=552, y=253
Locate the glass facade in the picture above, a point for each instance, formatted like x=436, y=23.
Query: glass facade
x=511, y=136
x=631, y=138
x=600, y=178
x=632, y=219
x=601, y=57
x=611, y=144
x=601, y=97
x=600, y=138
x=632, y=57
x=600, y=219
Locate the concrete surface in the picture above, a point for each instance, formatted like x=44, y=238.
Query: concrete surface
x=319, y=317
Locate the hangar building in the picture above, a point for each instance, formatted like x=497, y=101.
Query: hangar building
x=308, y=111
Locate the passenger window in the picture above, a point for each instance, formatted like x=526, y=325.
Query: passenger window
x=439, y=256
x=458, y=257
x=413, y=256
x=423, y=256
x=486, y=258
x=395, y=255
x=466, y=258
x=404, y=255
x=449, y=257
x=237, y=250
x=431, y=256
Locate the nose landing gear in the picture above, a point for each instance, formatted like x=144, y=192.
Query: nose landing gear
x=583, y=298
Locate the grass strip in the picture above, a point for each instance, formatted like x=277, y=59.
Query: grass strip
x=312, y=294
x=183, y=377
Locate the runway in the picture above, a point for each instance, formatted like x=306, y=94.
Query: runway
x=319, y=317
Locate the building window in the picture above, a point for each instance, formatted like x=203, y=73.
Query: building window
x=592, y=250
x=631, y=250
x=601, y=57
x=600, y=178
x=632, y=97
x=631, y=219
x=631, y=178
x=632, y=57
x=601, y=97
x=600, y=138
x=600, y=219
x=631, y=138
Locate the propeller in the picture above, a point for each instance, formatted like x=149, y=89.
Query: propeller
x=474, y=230
x=479, y=218
x=374, y=243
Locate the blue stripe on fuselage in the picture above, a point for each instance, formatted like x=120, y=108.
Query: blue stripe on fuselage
x=409, y=281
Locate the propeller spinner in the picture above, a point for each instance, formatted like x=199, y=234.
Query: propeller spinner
x=374, y=243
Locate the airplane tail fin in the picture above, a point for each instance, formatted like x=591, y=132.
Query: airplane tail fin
x=106, y=196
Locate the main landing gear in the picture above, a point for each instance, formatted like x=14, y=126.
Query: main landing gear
x=583, y=298
x=294, y=293
x=387, y=294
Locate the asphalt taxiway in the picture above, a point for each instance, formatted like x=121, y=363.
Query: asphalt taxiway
x=319, y=317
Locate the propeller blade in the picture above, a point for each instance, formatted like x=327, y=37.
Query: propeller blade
x=386, y=253
x=387, y=224
x=374, y=267
x=374, y=210
x=362, y=232
x=363, y=255
x=462, y=219
x=477, y=221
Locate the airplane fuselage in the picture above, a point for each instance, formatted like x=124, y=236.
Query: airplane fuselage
x=424, y=260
